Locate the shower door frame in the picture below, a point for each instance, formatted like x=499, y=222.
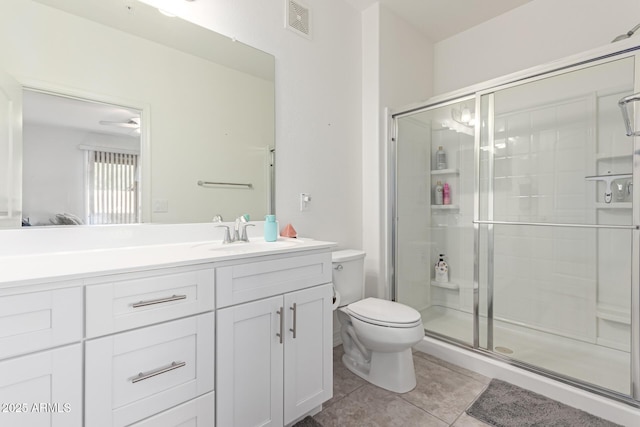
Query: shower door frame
x=594, y=58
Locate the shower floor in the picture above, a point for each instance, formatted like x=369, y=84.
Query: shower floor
x=587, y=362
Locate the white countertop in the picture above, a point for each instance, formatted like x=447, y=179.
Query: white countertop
x=18, y=270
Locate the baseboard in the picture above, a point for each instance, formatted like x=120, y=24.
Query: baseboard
x=337, y=339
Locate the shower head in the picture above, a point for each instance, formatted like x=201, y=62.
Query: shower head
x=626, y=35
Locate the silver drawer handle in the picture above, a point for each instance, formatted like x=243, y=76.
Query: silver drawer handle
x=281, y=314
x=158, y=301
x=145, y=376
x=295, y=316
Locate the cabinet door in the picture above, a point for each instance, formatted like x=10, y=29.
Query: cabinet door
x=42, y=389
x=308, y=359
x=249, y=364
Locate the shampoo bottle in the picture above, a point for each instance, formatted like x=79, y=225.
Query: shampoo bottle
x=446, y=194
x=270, y=228
x=437, y=200
x=441, y=159
x=442, y=270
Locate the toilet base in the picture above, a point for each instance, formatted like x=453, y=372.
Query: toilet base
x=391, y=371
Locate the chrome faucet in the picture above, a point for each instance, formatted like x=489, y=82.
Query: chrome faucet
x=239, y=230
x=236, y=229
x=244, y=236
x=227, y=236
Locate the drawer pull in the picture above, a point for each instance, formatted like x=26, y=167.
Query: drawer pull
x=295, y=316
x=145, y=376
x=281, y=313
x=158, y=301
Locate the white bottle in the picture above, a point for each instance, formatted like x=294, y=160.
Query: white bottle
x=437, y=199
x=441, y=159
x=442, y=270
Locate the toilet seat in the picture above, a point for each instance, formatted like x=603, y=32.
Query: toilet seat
x=381, y=312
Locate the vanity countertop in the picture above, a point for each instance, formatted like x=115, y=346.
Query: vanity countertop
x=21, y=270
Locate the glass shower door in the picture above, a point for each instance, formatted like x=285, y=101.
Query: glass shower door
x=434, y=217
x=555, y=224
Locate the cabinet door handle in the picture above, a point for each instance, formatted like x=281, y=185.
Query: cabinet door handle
x=145, y=376
x=295, y=311
x=158, y=301
x=281, y=313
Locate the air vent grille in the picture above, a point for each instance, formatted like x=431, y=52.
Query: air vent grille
x=298, y=18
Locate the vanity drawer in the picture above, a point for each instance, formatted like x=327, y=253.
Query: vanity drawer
x=198, y=412
x=133, y=375
x=251, y=281
x=135, y=300
x=39, y=320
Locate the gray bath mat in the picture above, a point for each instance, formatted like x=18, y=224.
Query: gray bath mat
x=307, y=422
x=505, y=405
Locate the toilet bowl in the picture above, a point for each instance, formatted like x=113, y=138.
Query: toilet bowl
x=377, y=335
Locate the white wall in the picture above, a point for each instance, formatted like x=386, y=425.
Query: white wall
x=397, y=64
x=318, y=107
x=53, y=173
x=533, y=34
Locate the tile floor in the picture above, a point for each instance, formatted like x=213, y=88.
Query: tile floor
x=443, y=393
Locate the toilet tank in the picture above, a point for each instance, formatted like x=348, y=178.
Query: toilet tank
x=348, y=275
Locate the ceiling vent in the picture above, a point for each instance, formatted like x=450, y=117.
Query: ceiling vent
x=298, y=18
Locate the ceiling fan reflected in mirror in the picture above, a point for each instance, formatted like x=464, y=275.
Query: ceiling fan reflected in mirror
x=133, y=123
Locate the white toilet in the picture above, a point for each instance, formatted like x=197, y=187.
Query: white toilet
x=377, y=334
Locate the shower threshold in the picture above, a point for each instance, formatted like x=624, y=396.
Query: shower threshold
x=587, y=362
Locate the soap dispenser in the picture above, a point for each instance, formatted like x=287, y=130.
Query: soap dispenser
x=270, y=228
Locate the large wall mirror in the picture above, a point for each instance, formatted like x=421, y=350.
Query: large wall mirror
x=131, y=116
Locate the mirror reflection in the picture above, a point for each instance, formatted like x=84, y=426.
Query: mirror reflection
x=204, y=105
x=81, y=161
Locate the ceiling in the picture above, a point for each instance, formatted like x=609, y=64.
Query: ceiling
x=436, y=19
x=46, y=109
x=441, y=19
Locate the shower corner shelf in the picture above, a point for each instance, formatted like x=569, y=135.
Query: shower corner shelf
x=613, y=314
x=445, y=207
x=445, y=172
x=445, y=285
x=620, y=205
x=610, y=156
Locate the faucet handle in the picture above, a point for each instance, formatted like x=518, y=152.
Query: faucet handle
x=244, y=237
x=227, y=235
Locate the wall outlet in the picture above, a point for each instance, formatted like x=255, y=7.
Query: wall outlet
x=305, y=201
x=160, y=206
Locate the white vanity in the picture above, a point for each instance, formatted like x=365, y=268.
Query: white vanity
x=165, y=334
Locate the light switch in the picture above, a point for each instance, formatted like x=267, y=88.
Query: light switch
x=160, y=206
x=305, y=201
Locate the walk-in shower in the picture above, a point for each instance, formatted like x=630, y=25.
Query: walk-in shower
x=540, y=227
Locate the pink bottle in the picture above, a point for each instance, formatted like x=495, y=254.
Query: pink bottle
x=446, y=194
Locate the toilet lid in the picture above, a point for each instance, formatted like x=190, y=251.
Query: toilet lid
x=383, y=312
